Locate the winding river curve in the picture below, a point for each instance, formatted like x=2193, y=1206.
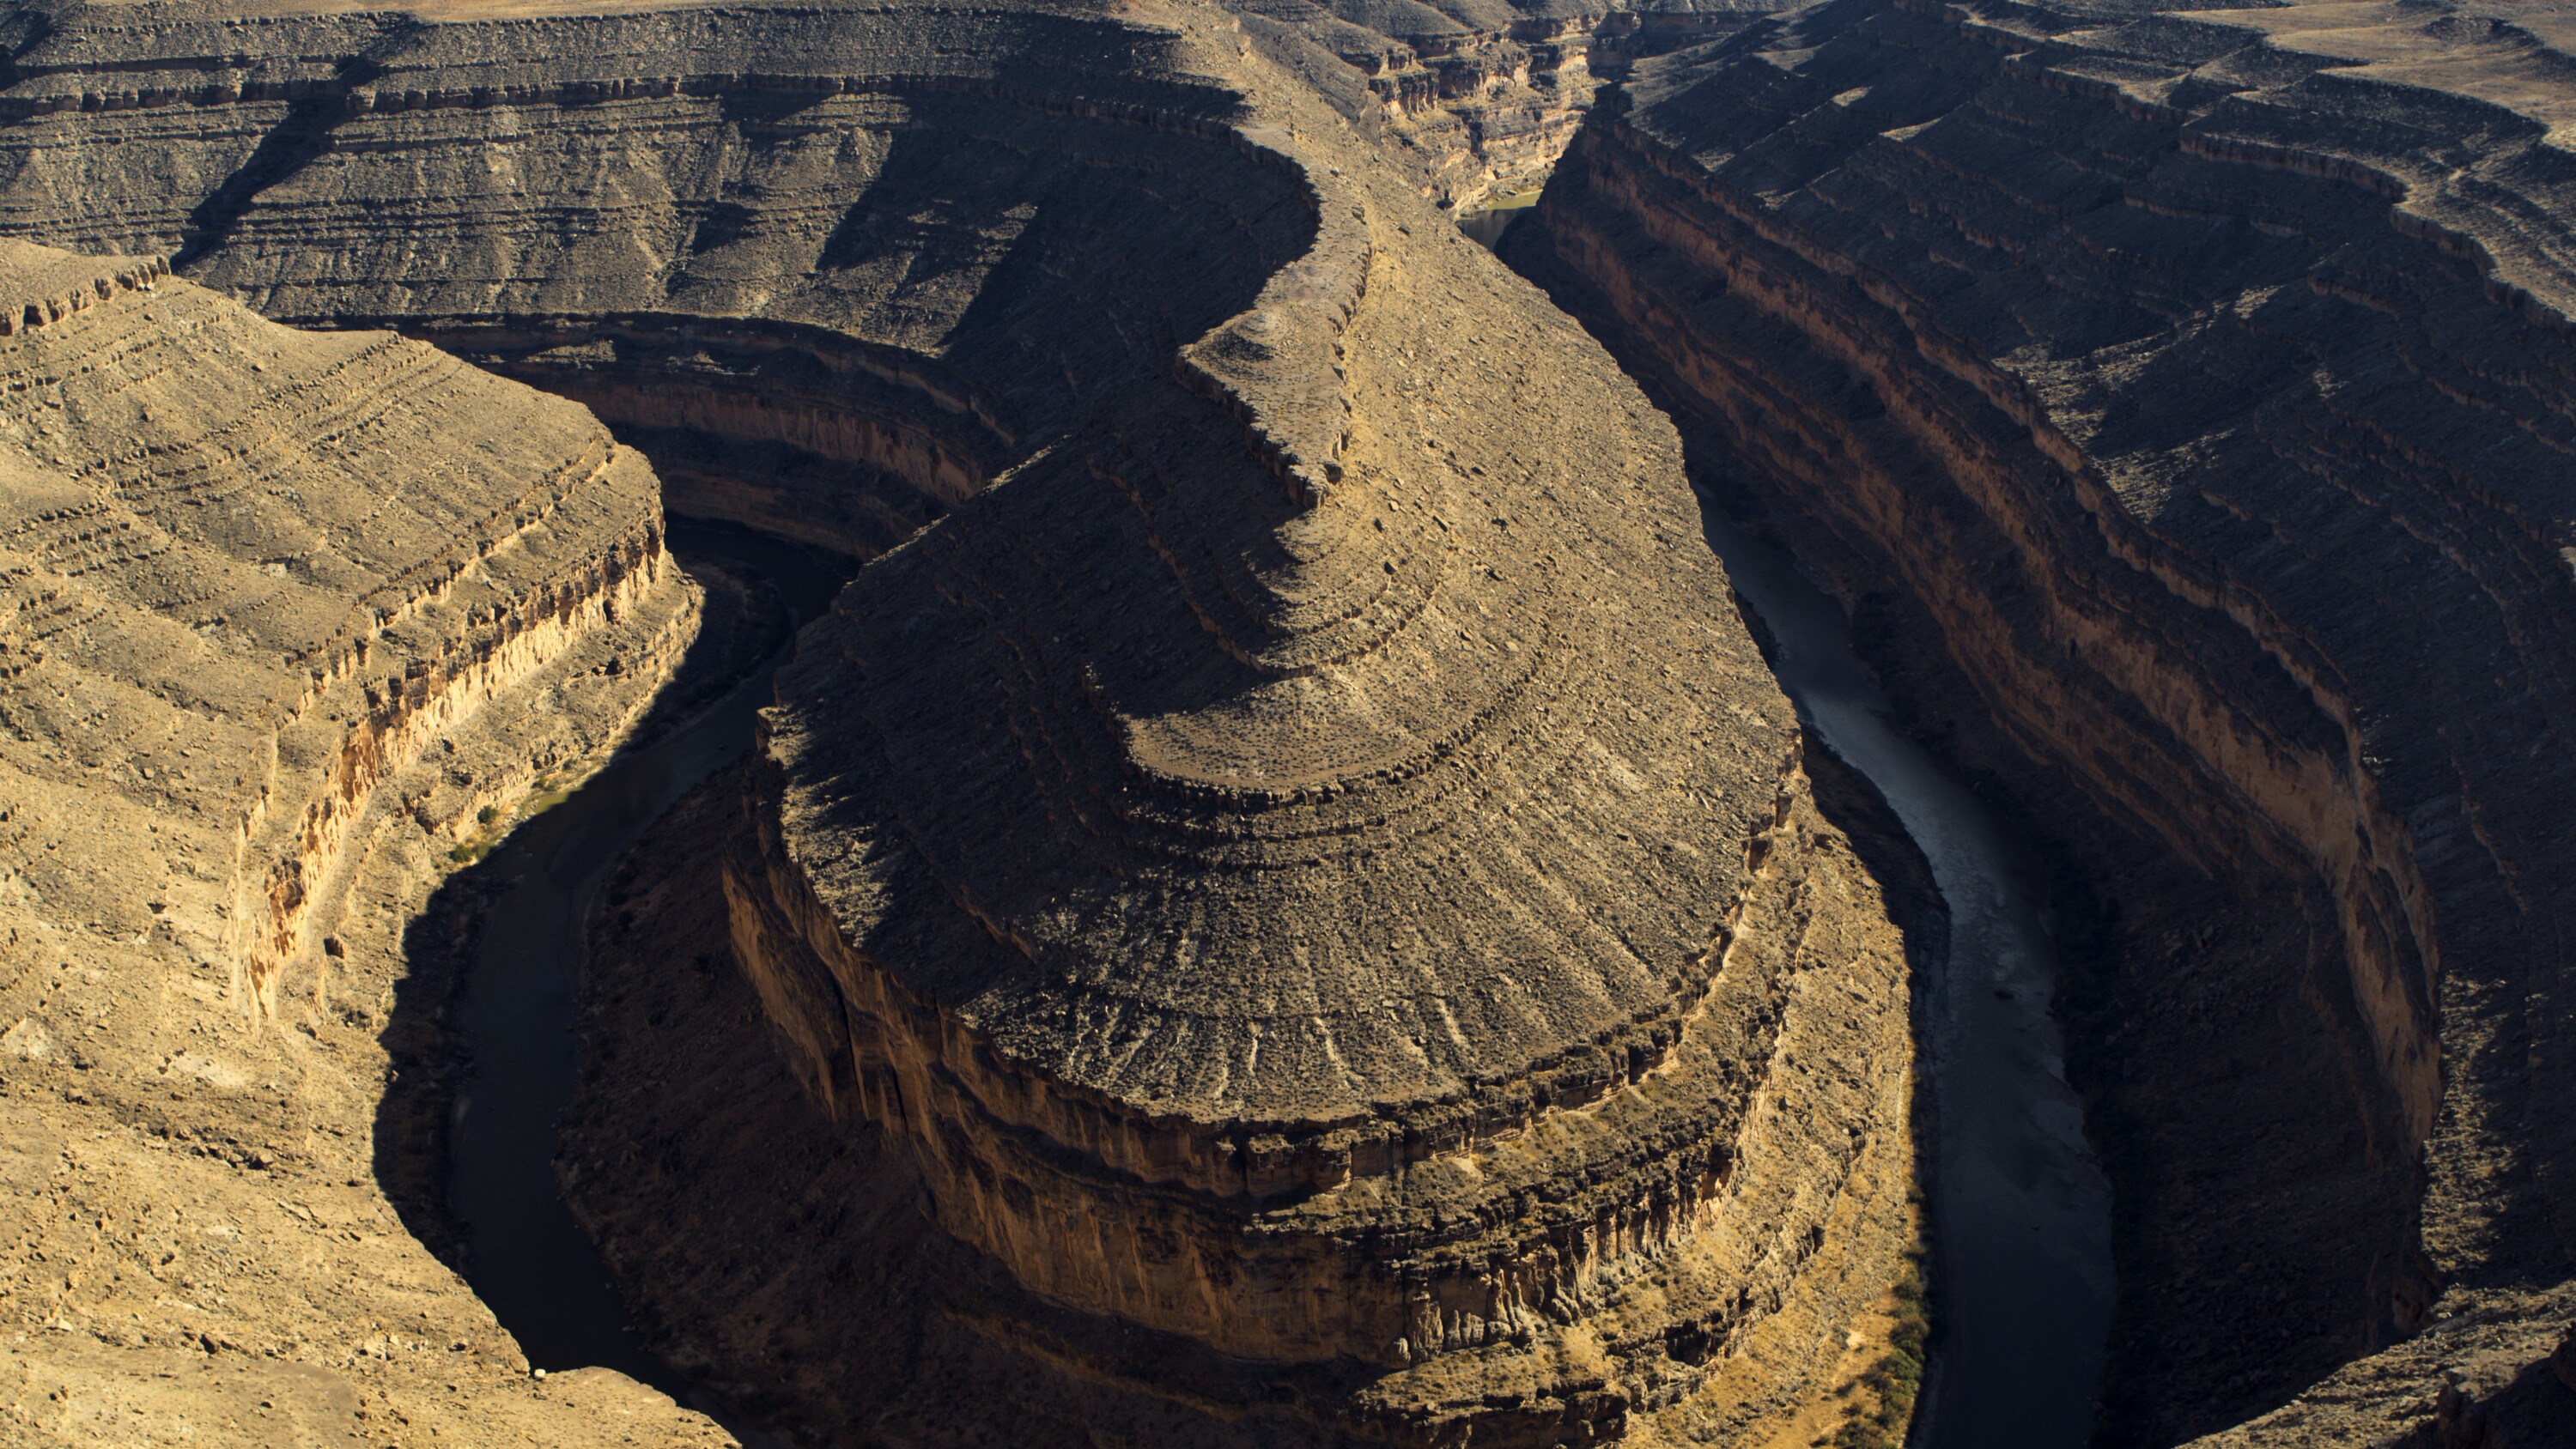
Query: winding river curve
x=529, y=1260
x=2020, y=1211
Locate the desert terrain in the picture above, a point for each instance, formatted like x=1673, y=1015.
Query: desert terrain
x=1131, y=794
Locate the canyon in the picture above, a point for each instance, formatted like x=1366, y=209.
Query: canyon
x=286, y=613
x=1284, y=902
x=2190, y=388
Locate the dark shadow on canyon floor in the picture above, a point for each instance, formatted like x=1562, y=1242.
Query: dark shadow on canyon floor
x=789, y=1262
x=481, y=1030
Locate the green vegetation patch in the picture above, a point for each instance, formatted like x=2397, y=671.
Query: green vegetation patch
x=1896, y=1380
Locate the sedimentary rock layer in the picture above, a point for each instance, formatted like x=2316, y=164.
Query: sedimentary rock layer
x=1468, y=99
x=490, y=186
x=685, y=1119
x=298, y=560
x=1289, y=843
x=1473, y=98
x=266, y=599
x=2195, y=389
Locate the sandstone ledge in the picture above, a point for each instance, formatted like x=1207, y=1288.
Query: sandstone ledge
x=278, y=614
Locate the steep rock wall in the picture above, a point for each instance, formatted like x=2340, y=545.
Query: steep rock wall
x=2198, y=398
x=1474, y=98
x=278, y=613
x=333, y=639
x=790, y=263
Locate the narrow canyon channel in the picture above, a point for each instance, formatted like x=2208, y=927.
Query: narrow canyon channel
x=2020, y=1211
x=529, y=1260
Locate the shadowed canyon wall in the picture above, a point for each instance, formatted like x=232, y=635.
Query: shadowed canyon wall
x=2184, y=404
x=1282, y=903
x=475, y=187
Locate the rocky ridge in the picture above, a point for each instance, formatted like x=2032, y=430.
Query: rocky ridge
x=1473, y=100
x=2182, y=400
x=1297, y=863
x=283, y=613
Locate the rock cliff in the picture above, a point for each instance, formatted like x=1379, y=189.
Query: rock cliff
x=2182, y=400
x=278, y=614
x=1470, y=99
x=1288, y=859
x=1474, y=98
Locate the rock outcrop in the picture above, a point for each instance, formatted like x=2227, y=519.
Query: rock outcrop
x=1471, y=99
x=279, y=613
x=1474, y=98
x=1288, y=851
x=2183, y=401
x=687, y=1118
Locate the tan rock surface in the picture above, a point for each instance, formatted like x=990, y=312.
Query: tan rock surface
x=1289, y=847
x=671, y=1129
x=278, y=612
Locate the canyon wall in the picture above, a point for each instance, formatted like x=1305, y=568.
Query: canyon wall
x=2182, y=404
x=1470, y=99
x=1473, y=99
x=279, y=615
x=486, y=186
x=200, y=569
x=1288, y=854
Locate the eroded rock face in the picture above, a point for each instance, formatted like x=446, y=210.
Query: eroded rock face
x=228, y=543
x=1290, y=846
x=2193, y=389
x=278, y=613
x=1311, y=912
x=1474, y=98
x=1470, y=99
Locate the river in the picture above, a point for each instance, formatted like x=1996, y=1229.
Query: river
x=1486, y=227
x=2021, y=1269
x=2020, y=1211
x=528, y=1259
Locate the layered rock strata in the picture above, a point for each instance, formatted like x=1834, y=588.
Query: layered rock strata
x=1474, y=98
x=1289, y=845
x=739, y=1157
x=2183, y=399
x=483, y=185
x=687, y=1117
x=279, y=613
x=221, y=548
